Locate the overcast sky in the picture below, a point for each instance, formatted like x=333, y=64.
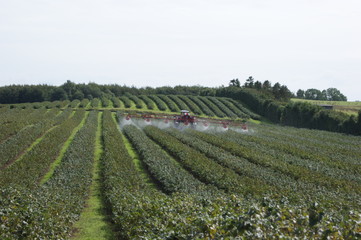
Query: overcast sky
x=300, y=43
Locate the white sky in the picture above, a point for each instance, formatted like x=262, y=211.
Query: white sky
x=299, y=43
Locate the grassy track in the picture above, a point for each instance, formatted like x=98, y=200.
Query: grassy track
x=63, y=150
x=139, y=165
x=342, y=106
x=92, y=223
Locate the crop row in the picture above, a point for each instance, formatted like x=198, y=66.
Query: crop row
x=159, y=102
x=28, y=170
x=262, y=178
x=179, y=102
x=235, y=107
x=322, y=174
x=50, y=210
x=184, y=216
x=193, y=107
x=342, y=189
x=125, y=191
x=138, y=102
x=330, y=149
x=172, y=106
x=251, y=173
x=210, y=106
x=205, y=109
x=218, y=112
x=228, y=112
x=172, y=177
x=23, y=119
x=14, y=146
x=126, y=101
x=148, y=102
x=203, y=168
x=315, y=161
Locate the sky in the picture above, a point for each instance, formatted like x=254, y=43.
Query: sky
x=299, y=43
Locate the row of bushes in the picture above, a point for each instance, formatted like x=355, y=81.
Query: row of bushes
x=297, y=114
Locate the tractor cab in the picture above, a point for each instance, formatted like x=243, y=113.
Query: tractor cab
x=184, y=118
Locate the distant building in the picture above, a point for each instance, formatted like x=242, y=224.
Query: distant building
x=325, y=106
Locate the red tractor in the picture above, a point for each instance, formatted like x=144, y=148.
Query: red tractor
x=185, y=118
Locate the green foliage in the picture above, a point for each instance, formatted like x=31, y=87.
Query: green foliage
x=170, y=103
x=179, y=102
x=29, y=170
x=213, y=107
x=148, y=101
x=138, y=102
x=15, y=145
x=126, y=101
x=117, y=103
x=193, y=107
x=205, y=109
x=282, y=182
x=199, y=165
x=331, y=94
x=95, y=103
x=84, y=103
x=105, y=102
x=170, y=175
x=223, y=107
x=49, y=211
x=160, y=103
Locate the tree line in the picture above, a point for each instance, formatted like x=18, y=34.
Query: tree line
x=267, y=100
x=277, y=91
x=331, y=94
x=71, y=91
x=297, y=114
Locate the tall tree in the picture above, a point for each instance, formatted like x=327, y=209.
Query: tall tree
x=235, y=83
x=300, y=93
x=267, y=85
x=249, y=82
x=258, y=85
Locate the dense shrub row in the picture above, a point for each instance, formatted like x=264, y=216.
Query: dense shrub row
x=222, y=107
x=33, y=165
x=171, y=176
x=95, y=103
x=14, y=146
x=175, y=103
x=117, y=103
x=159, y=102
x=126, y=101
x=179, y=102
x=84, y=103
x=49, y=211
x=199, y=165
x=137, y=101
x=286, y=166
x=205, y=109
x=148, y=102
x=298, y=114
x=193, y=107
x=16, y=120
x=213, y=107
x=170, y=103
x=248, y=171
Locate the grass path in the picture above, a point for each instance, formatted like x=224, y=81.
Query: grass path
x=92, y=223
x=63, y=150
x=139, y=165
